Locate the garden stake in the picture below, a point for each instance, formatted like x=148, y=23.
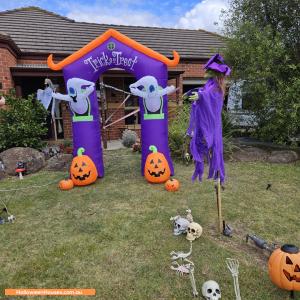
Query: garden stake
x=233, y=266
x=219, y=202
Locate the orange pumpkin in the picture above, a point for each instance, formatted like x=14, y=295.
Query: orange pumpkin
x=284, y=267
x=156, y=169
x=172, y=185
x=66, y=184
x=83, y=171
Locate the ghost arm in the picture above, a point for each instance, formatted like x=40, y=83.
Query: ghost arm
x=167, y=90
x=89, y=89
x=62, y=97
x=137, y=92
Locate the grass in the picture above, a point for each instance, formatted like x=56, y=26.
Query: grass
x=115, y=236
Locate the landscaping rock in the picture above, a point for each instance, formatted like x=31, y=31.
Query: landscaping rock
x=284, y=156
x=34, y=159
x=51, y=151
x=59, y=162
x=250, y=154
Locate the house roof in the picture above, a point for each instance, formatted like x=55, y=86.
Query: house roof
x=35, y=30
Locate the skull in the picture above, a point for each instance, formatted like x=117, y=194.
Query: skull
x=194, y=231
x=180, y=225
x=211, y=290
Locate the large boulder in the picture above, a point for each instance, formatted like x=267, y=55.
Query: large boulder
x=34, y=159
x=283, y=156
x=59, y=162
x=250, y=154
x=2, y=174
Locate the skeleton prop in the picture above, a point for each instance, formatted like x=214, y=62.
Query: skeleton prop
x=181, y=255
x=189, y=215
x=211, y=290
x=180, y=225
x=188, y=269
x=194, y=231
x=233, y=266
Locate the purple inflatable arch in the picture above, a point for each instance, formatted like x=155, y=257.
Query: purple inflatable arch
x=115, y=50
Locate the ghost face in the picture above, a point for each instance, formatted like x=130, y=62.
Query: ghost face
x=79, y=103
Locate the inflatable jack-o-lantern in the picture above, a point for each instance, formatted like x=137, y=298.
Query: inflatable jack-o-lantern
x=284, y=267
x=156, y=169
x=83, y=171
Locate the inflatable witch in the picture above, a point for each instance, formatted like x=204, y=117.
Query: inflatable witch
x=205, y=128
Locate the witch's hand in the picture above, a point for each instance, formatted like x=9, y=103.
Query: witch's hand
x=194, y=96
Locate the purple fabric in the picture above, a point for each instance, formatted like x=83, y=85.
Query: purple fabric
x=115, y=54
x=205, y=128
x=216, y=63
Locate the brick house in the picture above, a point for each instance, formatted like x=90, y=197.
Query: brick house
x=28, y=35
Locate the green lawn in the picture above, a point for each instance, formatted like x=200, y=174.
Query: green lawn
x=116, y=236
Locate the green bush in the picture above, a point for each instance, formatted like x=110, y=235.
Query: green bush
x=179, y=142
x=22, y=123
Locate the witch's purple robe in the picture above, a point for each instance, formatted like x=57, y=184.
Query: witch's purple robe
x=205, y=128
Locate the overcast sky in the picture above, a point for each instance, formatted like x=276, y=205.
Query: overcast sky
x=190, y=14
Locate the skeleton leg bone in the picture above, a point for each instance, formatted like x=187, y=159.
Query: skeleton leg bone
x=193, y=283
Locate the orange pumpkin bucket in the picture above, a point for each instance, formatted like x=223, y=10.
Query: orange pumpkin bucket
x=284, y=267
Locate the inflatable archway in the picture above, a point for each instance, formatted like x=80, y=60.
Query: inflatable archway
x=82, y=69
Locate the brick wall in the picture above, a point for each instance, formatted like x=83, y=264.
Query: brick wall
x=191, y=69
x=7, y=60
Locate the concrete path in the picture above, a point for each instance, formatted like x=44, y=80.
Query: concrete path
x=114, y=145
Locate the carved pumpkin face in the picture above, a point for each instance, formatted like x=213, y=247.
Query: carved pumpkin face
x=284, y=267
x=66, y=184
x=156, y=169
x=83, y=171
x=172, y=185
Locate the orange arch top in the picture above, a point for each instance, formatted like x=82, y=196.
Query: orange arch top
x=120, y=37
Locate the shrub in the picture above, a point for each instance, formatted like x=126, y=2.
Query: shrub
x=129, y=137
x=22, y=123
x=179, y=142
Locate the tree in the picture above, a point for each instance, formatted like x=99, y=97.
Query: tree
x=263, y=48
x=22, y=123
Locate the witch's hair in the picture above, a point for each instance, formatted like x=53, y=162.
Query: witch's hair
x=221, y=83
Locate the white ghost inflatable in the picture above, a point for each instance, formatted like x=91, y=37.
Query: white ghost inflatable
x=151, y=92
x=45, y=96
x=77, y=96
